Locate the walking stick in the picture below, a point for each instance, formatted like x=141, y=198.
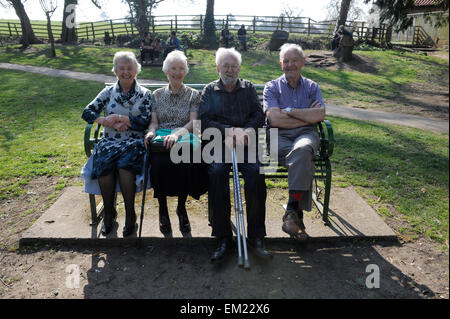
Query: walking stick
x=239, y=212
x=146, y=172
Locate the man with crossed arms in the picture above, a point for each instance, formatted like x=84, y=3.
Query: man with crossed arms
x=294, y=104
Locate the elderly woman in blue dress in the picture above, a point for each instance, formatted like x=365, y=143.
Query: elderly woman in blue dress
x=175, y=107
x=119, y=154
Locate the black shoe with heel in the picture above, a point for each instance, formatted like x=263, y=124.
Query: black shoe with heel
x=108, y=227
x=185, y=226
x=164, y=221
x=130, y=225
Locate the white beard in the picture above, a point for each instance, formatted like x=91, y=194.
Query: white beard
x=227, y=80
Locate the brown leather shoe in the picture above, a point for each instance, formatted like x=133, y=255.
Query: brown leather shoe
x=293, y=225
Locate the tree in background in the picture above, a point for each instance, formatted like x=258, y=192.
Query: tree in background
x=28, y=36
x=343, y=13
x=68, y=27
x=68, y=33
x=395, y=13
x=355, y=11
x=49, y=7
x=141, y=12
x=292, y=15
x=209, y=35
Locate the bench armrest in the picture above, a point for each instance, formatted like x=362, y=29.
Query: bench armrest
x=326, y=139
x=88, y=141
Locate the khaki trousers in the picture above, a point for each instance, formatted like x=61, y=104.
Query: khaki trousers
x=296, y=150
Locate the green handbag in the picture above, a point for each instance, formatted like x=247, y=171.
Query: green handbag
x=157, y=142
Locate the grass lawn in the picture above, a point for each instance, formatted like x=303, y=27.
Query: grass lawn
x=374, y=88
x=400, y=171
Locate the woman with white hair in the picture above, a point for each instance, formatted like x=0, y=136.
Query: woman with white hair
x=174, y=108
x=119, y=154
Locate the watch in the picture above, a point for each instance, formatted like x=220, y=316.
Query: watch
x=288, y=110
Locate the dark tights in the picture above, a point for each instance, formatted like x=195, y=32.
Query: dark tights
x=163, y=210
x=127, y=182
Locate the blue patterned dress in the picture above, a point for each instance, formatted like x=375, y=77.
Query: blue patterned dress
x=116, y=149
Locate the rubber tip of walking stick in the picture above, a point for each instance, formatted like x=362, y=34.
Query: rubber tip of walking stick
x=240, y=261
x=246, y=264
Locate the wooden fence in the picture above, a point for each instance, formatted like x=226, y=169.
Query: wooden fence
x=194, y=23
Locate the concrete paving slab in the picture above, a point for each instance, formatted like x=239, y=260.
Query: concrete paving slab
x=68, y=220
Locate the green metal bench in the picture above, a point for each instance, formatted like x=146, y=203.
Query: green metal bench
x=323, y=170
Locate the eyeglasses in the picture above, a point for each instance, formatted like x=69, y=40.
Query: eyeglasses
x=232, y=66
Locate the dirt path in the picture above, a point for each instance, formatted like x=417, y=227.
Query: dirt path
x=169, y=269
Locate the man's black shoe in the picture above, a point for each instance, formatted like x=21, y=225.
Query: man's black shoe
x=225, y=246
x=258, y=247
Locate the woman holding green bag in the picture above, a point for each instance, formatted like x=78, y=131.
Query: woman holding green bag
x=174, y=108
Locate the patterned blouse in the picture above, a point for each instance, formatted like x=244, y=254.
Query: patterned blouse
x=173, y=109
x=120, y=146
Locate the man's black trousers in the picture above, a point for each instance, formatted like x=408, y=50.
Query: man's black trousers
x=255, y=198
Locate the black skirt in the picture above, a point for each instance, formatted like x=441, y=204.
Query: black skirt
x=169, y=179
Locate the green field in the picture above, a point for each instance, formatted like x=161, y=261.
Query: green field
x=391, y=70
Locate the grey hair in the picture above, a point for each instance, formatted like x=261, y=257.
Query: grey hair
x=222, y=52
x=290, y=46
x=174, y=56
x=126, y=56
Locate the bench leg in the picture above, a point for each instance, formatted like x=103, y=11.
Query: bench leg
x=324, y=207
x=326, y=199
x=96, y=211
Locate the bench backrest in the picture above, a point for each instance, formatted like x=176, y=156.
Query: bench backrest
x=198, y=86
x=326, y=134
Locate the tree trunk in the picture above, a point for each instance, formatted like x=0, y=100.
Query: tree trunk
x=345, y=7
x=209, y=24
x=28, y=36
x=141, y=8
x=68, y=28
x=50, y=36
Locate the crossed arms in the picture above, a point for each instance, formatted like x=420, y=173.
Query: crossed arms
x=297, y=117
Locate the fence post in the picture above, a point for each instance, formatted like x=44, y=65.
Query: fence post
x=126, y=29
x=112, y=28
x=254, y=24
x=309, y=27
x=201, y=24
x=227, y=20
x=87, y=32
x=281, y=23
x=153, y=24
x=15, y=27
x=93, y=31
x=132, y=28
x=171, y=25
x=9, y=27
x=362, y=31
x=176, y=23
